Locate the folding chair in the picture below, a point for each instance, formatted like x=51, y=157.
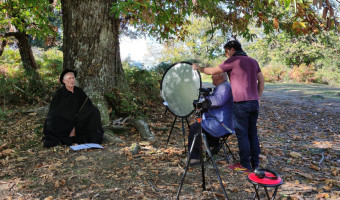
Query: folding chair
x=223, y=144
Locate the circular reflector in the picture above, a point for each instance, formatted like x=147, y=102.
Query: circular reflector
x=180, y=87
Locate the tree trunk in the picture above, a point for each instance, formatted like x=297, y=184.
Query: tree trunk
x=26, y=53
x=91, y=47
x=28, y=61
x=2, y=47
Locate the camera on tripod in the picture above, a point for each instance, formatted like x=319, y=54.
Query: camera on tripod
x=203, y=103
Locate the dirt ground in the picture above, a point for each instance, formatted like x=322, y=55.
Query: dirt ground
x=298, y=130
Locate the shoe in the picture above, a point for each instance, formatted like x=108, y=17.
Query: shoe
x=215, y=150
x=194, y=162
x=238, y=167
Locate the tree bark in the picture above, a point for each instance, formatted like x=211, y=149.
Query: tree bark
x=28, y=61
x=2, y=47
x=91, y=47
x=26, y=53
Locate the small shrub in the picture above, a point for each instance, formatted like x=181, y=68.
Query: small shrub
x=141, y=95
x=15, y=86
x=303, y=73
x=329, y=76
x=274, y=72
x=3, y=114
x=50, y=63
x=144, y=84
x=123, y=103
x=10, y=58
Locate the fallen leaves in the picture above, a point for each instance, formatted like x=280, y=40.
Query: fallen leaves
x=295, y=154
x=294, y=140
x=314, y=167
x=81, y=158
x=6, y=152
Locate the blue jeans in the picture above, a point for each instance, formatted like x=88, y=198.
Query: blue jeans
x=245, y=118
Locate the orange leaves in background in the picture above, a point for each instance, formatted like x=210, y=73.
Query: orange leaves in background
x=276, y=23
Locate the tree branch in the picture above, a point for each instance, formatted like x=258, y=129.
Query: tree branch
x=10, y=34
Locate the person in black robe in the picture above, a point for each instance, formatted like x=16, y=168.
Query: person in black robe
x=72, y=118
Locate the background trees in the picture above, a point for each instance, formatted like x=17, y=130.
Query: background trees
x=192, y=29
x=24, y=19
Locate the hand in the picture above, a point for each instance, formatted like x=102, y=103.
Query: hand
x=195, y=66
x=73, y=132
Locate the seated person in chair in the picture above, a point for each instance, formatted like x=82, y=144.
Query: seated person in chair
x=222, y=109
x=72, y=118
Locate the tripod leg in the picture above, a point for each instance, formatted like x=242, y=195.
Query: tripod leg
x=231, y=153
x=183, y=131
x=172, y=127
x=225, y=152
x=204, y=138
x=187, y=122
x=186, y=166
x=201, y=158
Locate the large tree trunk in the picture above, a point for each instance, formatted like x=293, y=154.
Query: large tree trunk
x=91, y=47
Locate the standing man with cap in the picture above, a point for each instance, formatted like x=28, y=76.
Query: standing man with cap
x=247, y=83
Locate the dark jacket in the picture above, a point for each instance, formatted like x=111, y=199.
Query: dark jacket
x=68, y=110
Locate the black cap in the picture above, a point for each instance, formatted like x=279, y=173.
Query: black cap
x=65, y=72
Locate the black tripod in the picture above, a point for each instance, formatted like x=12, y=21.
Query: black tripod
x=172, y=127
x=201, y=139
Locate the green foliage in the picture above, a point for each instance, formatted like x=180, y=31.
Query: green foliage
x=197, y=46
x=329, y=75
x=30, y=16
x=10, y=60
x=275, y=72
x=3, y=114
x=310, y=58
x=168, y=19
x=123, y=103
x=140, y=96
x=162, y=67
x=15, y=83
x=50, y=63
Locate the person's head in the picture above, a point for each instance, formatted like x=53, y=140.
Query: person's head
x=219, y=78
x=231, y=47
x=67, y=78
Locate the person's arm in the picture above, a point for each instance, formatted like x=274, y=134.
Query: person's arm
x=260, y=83
x=207, y=70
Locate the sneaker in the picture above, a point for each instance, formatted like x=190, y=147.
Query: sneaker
x=213, y=151
x=238, y=167
x=194, y=162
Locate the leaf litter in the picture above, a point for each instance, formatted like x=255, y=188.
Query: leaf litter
x=299, y=139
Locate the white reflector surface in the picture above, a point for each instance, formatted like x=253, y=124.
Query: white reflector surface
x=180, y=87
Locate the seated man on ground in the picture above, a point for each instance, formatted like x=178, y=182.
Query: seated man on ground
x=72, y=118
x=222, y=109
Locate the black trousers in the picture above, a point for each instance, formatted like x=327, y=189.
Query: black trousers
x=212, y=141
